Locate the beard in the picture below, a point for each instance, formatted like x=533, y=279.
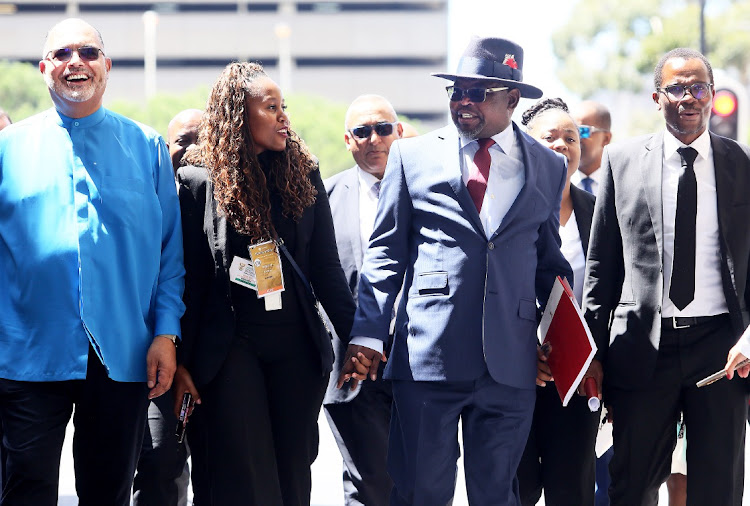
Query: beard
x=466, y=132
x=80, y=94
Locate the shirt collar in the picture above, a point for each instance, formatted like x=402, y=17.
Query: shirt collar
x=702, y=145
x=87, y=121
x=504, y=139
x=366, y=180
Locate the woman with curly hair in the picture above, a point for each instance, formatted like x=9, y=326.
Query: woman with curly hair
x=559, y=455
x=256, y=367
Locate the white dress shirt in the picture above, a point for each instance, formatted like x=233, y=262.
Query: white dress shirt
x=505, y=181
x=572, y=250
x=368, y=206
x=709, y=294
x=595, y=176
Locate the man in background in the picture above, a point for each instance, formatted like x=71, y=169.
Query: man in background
x=594, y=125
x=182, y=133
x=360, y=417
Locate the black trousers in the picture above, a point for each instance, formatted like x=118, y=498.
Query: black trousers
x=109, y=420
x=645, y=419
x=361, y=428
x=163, y=460
x=559, y=456
x=255, y=434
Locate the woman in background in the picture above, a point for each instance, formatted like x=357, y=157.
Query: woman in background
x=559, y=455
x=257, y=367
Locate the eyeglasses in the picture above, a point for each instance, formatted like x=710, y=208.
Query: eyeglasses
x=677, y=91
x=365, y=131
x=88, y=53
x=585, y=131
x=475, y=95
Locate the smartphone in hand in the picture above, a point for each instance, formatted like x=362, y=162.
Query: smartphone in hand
x=187, y=403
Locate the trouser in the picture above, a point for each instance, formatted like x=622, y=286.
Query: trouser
x=360, y=428
x=163, y=461
x=423, y=446
x=559, y=457
x=109, y=421
x=255, y=434
x=644, y=421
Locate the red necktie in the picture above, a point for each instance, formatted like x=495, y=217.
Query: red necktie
x=480, y=173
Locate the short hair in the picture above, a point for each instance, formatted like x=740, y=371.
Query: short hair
x=685, y=53
x=537, y=109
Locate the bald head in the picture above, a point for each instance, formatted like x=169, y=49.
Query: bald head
x=182, y=133
x=596, y=115
x=371, y=151
x=66, y=26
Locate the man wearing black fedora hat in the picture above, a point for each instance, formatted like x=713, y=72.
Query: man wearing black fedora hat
x=467, y=221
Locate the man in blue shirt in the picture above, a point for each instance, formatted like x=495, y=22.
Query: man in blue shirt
x=92, y=277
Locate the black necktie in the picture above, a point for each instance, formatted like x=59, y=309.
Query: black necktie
x=376, y=189
x=682, y=287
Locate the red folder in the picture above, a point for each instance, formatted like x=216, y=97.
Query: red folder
x=573, y=348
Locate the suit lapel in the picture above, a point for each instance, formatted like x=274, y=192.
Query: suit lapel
x=450, y=154
x=725, y=193
x=651, y=175
x=351, y=187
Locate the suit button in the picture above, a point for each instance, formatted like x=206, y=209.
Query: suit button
x=491, y=246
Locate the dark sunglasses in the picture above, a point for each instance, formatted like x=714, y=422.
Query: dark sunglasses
x=475, y=95
x=365, y=131
x=88, y=53
x=677, y=91
x=585, y=131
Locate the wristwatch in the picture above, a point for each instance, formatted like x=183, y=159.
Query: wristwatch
x=171, y=337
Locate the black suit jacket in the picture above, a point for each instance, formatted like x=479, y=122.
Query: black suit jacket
x=583, y=207
x=624, y=283
x=208, y=323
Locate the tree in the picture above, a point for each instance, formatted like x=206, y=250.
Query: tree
x=614, y=45
x=22, y=90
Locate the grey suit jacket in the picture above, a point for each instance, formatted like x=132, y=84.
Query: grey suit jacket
x=343, y=195
x=624, y=282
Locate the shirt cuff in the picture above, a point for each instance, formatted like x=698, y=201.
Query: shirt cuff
x=368, y=342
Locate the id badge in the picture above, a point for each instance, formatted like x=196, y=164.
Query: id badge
x=241, y=272
x=267, y=267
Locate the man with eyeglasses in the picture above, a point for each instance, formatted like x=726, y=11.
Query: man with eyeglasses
x=361, y=414
x=92, y=277
x=467, y=223
x=594, y=125
x=667, y=293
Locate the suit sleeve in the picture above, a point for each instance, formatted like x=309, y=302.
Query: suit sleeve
x=387, y=256
x=605, y=271
x=550, y=260
x=326, y=274
x=198, y=261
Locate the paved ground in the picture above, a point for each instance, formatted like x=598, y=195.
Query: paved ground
x=327, y=489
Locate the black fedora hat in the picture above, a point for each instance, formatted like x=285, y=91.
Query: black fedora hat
x=499, y=60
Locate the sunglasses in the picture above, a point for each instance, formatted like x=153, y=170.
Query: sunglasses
x=677, y=91
x=88, y=53
x=585, y=131
x=475, y=95
x=365, y=131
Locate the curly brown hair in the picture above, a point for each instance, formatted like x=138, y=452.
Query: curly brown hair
x=227, y=149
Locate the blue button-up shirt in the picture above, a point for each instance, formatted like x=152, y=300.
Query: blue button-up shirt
x=90, y=246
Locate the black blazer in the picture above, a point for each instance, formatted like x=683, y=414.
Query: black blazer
x=624, y=280
x=208, y=323
x=583, y=207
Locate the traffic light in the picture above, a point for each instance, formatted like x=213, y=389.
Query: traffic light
x=725, y=117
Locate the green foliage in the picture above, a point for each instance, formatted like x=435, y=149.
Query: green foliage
x=614, y=44
x=22, y=90
x=320, y=122
x=159, y=110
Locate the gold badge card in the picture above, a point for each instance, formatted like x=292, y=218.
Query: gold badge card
x=267, y=266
